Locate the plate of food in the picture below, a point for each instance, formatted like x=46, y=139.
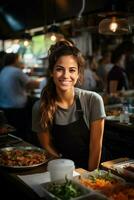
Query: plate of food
x=22, y=157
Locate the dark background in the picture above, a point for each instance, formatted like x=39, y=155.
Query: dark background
x=17, y=16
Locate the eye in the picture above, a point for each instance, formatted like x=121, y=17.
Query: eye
x=58, y=69
x=72, y=70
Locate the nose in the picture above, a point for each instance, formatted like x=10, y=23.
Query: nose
x=66, y=73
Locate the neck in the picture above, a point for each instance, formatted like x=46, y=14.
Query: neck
x=65, y=99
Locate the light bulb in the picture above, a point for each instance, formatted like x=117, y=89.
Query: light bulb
x=26, y=43
x=113, y=26
x=53, y=37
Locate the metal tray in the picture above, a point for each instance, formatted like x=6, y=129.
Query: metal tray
x=87, y=193
x=9, y=140
x=23, y=148
x=102, y=174
x=121, y=168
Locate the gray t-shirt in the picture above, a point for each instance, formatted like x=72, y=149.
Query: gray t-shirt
x=91, y=103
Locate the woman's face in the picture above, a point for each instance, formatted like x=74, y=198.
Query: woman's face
x=65, y=73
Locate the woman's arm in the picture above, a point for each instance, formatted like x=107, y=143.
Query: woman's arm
x=95, y=146
x=45, y=141
x=113, y=86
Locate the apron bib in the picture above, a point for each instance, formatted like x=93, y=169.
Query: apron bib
x=72, y=140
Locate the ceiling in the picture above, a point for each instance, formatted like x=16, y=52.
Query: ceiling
x=19, y=16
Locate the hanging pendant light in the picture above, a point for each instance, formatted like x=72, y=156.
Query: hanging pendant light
x=54, y=33
x=113, y=25
x=115, y=18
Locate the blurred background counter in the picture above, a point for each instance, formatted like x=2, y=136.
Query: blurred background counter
x=119, y=131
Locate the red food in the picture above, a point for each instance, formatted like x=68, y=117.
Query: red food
x=22, y=157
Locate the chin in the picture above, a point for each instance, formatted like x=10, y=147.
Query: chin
x=65, y=88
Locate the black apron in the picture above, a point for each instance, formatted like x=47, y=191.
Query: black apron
x=72, y=140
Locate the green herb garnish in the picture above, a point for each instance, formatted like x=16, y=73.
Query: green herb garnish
x=99, y=175
x=65, y=191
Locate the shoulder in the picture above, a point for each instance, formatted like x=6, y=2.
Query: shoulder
x=21, y=75
x=86, y=94
x=15, y=71
x=10, y=71
x=116, y=68
x=89, y=99
x=92, y=105
x=114, y=73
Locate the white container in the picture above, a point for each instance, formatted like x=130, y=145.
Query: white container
x=124, y=116
x=60, y=168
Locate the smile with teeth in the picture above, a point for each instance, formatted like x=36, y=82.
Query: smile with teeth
x=65, y=82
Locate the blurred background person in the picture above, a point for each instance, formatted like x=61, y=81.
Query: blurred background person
x=117, y=76
x=104, y=66
x=14, y=86
x=93, y=65
x=128, y=48
x=89, y=80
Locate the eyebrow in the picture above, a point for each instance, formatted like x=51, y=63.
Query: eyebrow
x=75, y=67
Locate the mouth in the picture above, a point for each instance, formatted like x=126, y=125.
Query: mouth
x=65, y=83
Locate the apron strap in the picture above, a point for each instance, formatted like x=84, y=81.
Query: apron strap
x=78, y=107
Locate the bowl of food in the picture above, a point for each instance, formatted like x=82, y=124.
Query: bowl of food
x=65, y=189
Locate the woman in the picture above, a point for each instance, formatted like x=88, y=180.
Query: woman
x=70, y=120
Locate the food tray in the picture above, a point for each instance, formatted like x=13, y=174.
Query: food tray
x=102, y=174
x=22, y=157
x=106, y=183
x=86, y=192
x=9, y=139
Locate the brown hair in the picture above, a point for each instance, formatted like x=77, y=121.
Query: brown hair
x=49, y=95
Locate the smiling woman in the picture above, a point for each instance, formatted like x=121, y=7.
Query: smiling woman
x=69, y=121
